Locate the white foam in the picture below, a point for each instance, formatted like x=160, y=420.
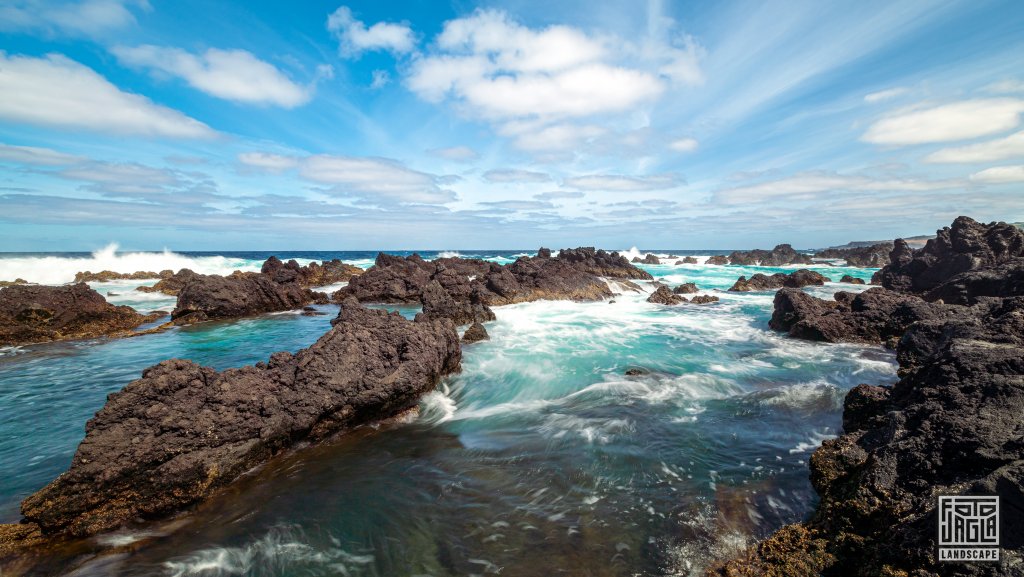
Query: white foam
x=55, y=270
x=813, y=441
x=437, y=406
x=449, y=254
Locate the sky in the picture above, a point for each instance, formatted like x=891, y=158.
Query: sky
x=316, y=125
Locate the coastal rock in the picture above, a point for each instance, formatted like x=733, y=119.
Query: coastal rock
x=109, y=275
x=648, y=259
x=544, y=252
x=964, y=246
x=688, y=260
x=15, y=282
x=704, y=299
x=686, y=288
x=37, y=314
x=762, y=282
x=664, y=296
x=170, y=285
x=874, y=256
x=475, y=333
x=438, y=303
x=311, y=275
x=718, y=259
x=782, y=254
x=392, y=279
x=182, y=431
x=851, y=280
x=239, y=294
x=998, y=280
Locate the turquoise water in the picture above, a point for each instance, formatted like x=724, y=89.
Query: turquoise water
x=541, y=457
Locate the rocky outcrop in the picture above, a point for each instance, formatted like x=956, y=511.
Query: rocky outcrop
x=170, y=285
x=686, y=288
x=310, y=275
x=782, y=254
x=664, y=296
x=950, y=426
x=36, y=314
x=648, y=259
x=574, y=274
x=851, y=280
x=717, y=259
x=182, y=431
x=965, y=246
x=237, y=295
x=763, y=282
x=475, y=333
x=874, y=256
x=997, y=280
x=15, y=282
x=109, y=275
x=876, y=315
x=687, y=260
x=438, y=303
x=704, y=299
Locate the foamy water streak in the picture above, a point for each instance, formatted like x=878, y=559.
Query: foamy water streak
x=55, y=270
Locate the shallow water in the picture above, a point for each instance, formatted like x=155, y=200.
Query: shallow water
x=541, y=457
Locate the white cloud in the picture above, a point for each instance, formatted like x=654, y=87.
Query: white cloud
x=883, y=95
x=375, y=179
x=498, y=69
x=381, y=78
x=536, y=137
x=1000, y=175
x=514, y=175
x=354, y=37
x=684, y=145
x=456, y=153
x=559, y=195
x=84, y=18
x=813, y=185
x=949, y=122
x=622, y=183
x=59, y=92
x=235, y=75
x=36, y=156
x=1008, y=86
x=267, y=161
x=999, y=149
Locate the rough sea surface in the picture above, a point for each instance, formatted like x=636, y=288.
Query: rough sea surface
x=541, y=458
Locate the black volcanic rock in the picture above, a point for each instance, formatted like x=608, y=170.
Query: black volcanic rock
x=966, y=245
x=38, y=313
x=782, y=254
x=475, y=333
x=664, y=296
x=438, y=304
x=998, y=280
x=876, y=255
x=851, y=280
x=687, y=260
x=311, y=275
x=685, y=289
x=182, y=431
x=717, y=259
x=761, y=282
x=170, y=285
x=238, y=294
x=704, y=299
x=109, y=275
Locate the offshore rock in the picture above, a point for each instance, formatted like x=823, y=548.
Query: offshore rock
x=762, y=282
x=874, y=256
x=782, y=254
x=664, y=296
x=37, y=314
x=686, y=288
x=170, y=285
x=109, y=275
x=851, y=280
x=475, y=333
x=239, y=294
x=182, y=431
x=718, y=259
x=311, y=275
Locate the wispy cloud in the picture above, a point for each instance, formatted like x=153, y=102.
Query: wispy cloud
x=947, y=123
x=515, y=175
x=74, y=18
x=1011, y=146
x=354, y=37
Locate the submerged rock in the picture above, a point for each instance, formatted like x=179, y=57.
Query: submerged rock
x=475, y=333
x=37, y=314
x=182, y=431
x=664, y=296
x=874, y=256
x=763, y=282
x=782, y=254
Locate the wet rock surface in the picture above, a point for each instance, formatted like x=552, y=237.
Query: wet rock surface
x=851, y=280
x=109, y=275
x=664, y=296
x=762, y=282
x=782, y=254
x=718, y=260
x=37, y=314
x=874, y=256
x=950, y=426
x=237, y=295
x=311, y=275
x=181, y=431
x=170, y=285
x=475, y=333
x=686, y=288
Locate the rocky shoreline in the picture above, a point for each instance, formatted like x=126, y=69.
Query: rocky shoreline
x=950, y=426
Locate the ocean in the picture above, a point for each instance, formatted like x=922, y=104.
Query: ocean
x=540, y=458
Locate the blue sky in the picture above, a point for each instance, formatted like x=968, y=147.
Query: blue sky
x=196, y=125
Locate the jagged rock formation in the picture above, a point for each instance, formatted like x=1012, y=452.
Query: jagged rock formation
x=182, y=431
x=851, y=280
x=876, y=255
x=475, y=333
x=648, y=259
x=718, y=259
x=704, y=299
x=950, y=426
x=687, y=260
x=109, y=275
x=311, y=275
x=762, y=282
x=438, y=303
x=782, y=254
x=664, y=296
x=170, y=285
x=237, y=295
x=686, y=288
x=37, y=314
